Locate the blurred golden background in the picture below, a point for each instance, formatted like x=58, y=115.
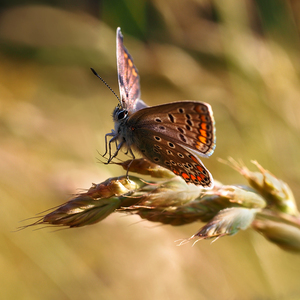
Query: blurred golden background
x=241, y=56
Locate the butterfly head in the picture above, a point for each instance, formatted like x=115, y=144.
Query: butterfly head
x=120, y=116
x=120, y=113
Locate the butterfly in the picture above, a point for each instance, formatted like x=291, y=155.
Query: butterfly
x=170, y=135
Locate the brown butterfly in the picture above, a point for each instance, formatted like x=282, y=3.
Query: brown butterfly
x=170, y=135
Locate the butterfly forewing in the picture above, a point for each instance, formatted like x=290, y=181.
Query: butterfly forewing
x=188, y=123
x=128, y=76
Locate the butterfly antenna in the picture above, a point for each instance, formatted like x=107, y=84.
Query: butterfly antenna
x=95, y=73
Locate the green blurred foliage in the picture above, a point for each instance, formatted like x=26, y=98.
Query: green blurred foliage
x=242, y=57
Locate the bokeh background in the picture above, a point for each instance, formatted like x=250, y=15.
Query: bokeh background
x=241, y=56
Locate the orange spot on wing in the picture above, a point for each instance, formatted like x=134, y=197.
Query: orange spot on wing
x=125, y=55
x=204, y=126
x=200, y=177
x=199, y=168
x=134, y=73
x=193, y=177
x=194, y=158
x=199, y=145
x=198, y=109
x=202, y=139
x=185, y=175
x=203, y=132
x=203, y=118
x=175, y=172
x=130, y=63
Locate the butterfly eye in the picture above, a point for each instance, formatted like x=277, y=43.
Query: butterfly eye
x=122, y=114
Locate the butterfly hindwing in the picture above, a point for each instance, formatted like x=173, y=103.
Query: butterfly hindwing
x=174, y=157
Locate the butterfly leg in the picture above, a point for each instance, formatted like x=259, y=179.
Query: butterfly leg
x=133, y=158
x=109, y=148
x=116, y=153
x=106, y=148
